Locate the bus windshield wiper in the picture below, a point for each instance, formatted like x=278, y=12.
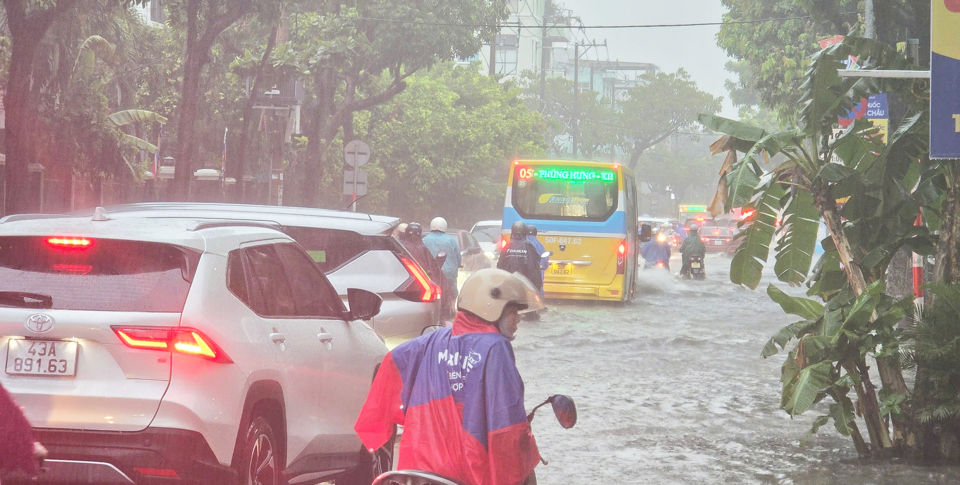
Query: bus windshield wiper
x=25, y=299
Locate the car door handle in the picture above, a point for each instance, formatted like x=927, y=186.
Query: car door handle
x=278, y=338
x=325, y=337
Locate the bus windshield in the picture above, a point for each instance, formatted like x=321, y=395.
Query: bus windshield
x=565, y=192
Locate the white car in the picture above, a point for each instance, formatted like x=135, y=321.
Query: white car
x=354, y=250
x=183, y=350
x=487, y=234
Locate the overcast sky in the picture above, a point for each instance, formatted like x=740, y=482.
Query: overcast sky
x=692, y=48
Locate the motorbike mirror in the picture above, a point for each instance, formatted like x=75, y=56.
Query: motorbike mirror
x=565, y=410
x=646, y=233
x=442, y=257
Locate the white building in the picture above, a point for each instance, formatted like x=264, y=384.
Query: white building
x=519, y=46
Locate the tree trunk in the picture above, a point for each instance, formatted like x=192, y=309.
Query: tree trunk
x=240, y=166
x=25, y=35
x=315, y=162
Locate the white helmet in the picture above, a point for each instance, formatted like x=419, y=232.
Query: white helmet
x=487, y=291
x=438, y=224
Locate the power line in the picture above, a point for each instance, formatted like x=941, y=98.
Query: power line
x=519, y=25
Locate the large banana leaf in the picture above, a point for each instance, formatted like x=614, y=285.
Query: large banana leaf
x=744, y=135
x=802, y=307
x=742, y=184
x=86, y=55
x=131, y=116
x=843, y=415
x=801, y=393
x=137, y=142
x=798, y=237
x=747, y=265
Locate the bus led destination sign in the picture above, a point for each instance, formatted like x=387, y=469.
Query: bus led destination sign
x=564, y=174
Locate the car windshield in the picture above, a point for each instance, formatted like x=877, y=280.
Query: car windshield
x=489, y=234
x=95, y=274
x=565, y=193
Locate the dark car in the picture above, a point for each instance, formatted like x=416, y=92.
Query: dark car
x=719, y=239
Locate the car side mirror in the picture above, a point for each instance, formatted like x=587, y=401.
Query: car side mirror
x=646, y=233
x=475, y=250
x=364, y=304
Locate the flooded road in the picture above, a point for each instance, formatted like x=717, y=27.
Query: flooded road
x=671, y=388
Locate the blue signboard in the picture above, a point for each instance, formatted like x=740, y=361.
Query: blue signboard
x=945, y=79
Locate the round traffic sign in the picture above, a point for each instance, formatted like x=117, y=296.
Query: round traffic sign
x=356, y=153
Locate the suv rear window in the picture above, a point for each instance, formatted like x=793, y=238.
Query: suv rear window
x=332, y=248
x=95, y=274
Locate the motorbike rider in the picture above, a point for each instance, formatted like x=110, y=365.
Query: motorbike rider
x=457, y=391
x=544, y=260
x=520, y=256
x=691, y=246
x=411, y=239
x=656, y=250
x=438, y=240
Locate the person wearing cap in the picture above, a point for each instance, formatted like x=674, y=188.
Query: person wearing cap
x=691, y=246
x=457, y=391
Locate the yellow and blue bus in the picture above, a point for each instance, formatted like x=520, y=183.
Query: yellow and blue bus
x=586, y=214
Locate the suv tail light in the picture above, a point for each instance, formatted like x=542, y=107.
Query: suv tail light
x=622, y=257
x=69, y=242
x=418, y=287
x=189, y=341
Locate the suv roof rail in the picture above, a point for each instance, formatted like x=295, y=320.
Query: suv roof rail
x=29, y=217
x=228, y=223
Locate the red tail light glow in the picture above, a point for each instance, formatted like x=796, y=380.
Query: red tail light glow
x=422, y=288
x=69, y=242
x=622, y=258
x=187, y=341
x=157, y=472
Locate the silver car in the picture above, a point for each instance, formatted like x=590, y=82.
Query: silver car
x=353, y=250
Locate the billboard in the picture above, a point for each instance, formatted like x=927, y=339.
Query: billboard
x=945, y=79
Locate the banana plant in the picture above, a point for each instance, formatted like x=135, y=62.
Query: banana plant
x=797, y=176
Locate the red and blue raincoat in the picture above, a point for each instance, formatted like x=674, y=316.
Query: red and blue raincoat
x=459, y=397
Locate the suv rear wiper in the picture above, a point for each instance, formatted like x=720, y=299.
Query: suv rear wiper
x=25, y=299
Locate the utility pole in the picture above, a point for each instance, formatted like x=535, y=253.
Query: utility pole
x=576, y=99
x=576, y=92
x=869, y=20
x=544, y=54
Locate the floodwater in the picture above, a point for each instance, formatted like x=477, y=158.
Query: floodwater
x=671, y=388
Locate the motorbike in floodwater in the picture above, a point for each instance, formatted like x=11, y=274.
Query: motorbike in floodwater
x=563, y=408
x=694, y=268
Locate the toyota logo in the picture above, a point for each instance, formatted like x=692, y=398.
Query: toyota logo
x=39, y=323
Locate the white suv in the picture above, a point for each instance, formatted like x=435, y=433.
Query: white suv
x=151, y=351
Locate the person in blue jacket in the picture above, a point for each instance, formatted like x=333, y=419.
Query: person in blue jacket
x=656, y=250
x=438, y=240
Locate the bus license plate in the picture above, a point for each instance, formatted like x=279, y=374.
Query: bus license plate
x=561, y=270
x=41, y=358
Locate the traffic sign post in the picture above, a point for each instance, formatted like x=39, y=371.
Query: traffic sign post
x=355, y=155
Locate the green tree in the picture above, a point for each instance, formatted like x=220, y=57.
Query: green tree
x=350, y=48
x=856, y=319
x=660, y=106
x=444, y=145
x=597, y=117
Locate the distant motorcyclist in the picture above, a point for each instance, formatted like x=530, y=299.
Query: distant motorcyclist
x=692, y=246
x=656, y=252
x=438, y=240
x=544, y=260
x=457, y=392
x=520, y=256
x=412, y=241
